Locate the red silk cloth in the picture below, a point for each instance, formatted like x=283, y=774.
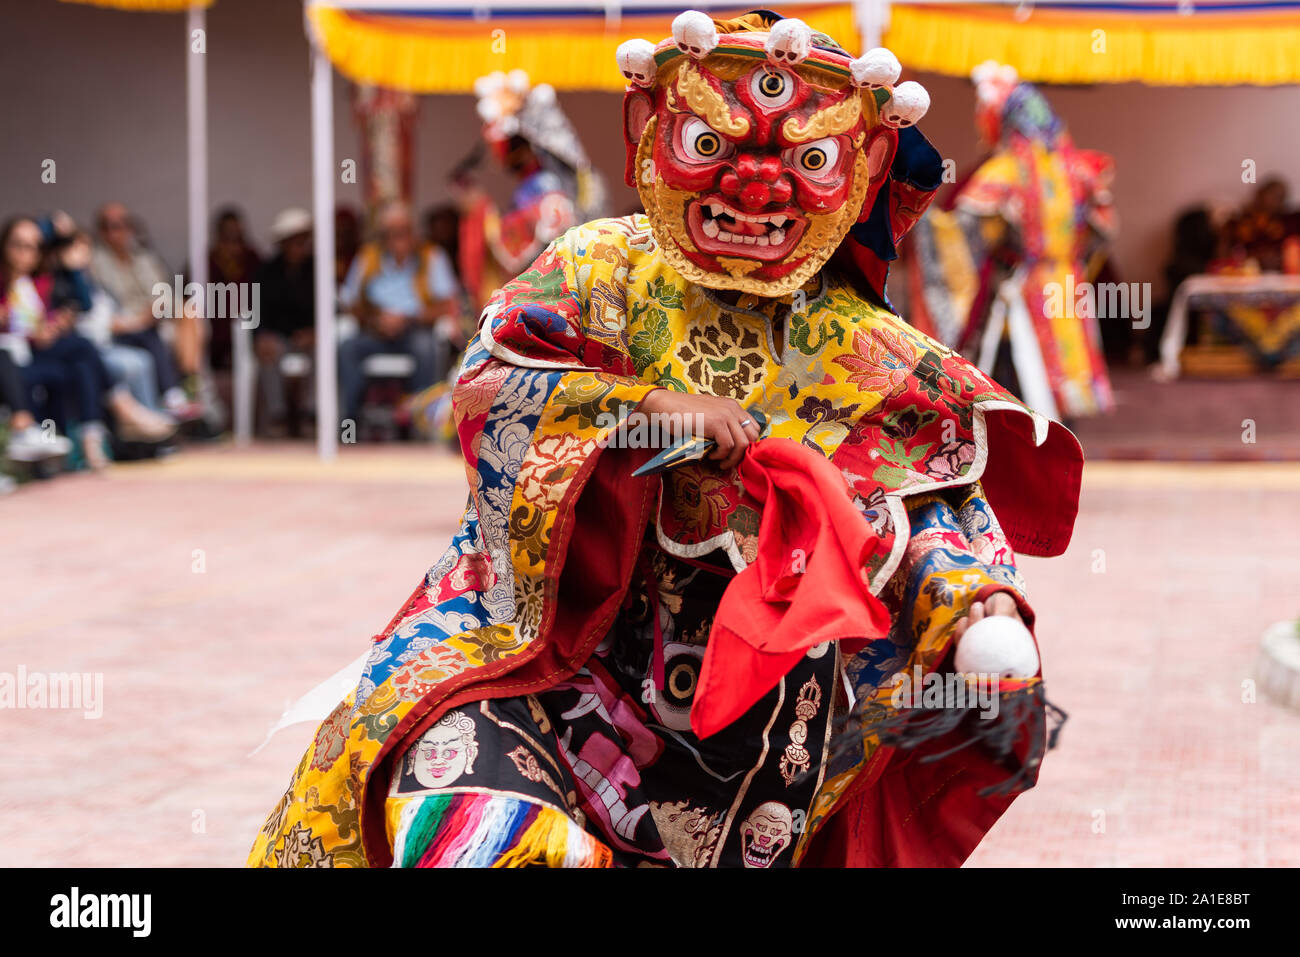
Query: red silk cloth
x=806, y=586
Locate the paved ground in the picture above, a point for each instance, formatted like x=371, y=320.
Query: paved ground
x=1196, y=420
x=211, y=589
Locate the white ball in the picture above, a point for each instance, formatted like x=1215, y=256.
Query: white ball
x=997, y=645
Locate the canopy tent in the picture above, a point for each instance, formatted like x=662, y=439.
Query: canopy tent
x=156, y=6
x=1160, y=42
x=429, y=47
x=441, y=46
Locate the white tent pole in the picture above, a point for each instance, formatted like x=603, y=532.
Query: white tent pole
x=243, y=368
x=322, y=153
x=872, y=18
x=196, y=128
x=196, y=88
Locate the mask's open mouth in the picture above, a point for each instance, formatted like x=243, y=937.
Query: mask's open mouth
x=759, y=855
x=718, y=228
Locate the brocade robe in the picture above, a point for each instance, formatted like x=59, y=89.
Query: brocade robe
x=466, y=740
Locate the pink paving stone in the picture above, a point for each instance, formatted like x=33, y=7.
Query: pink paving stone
x=301, y=569
x=1196, y=419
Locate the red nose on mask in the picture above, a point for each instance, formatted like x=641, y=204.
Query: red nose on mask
x=756, y=182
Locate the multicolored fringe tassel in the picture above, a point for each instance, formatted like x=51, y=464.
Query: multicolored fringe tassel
x=1022, y=704
x=469, y=829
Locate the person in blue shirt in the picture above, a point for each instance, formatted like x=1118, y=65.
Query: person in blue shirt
x=404, y=295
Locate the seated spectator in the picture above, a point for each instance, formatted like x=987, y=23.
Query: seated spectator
x=403, y=293
x=26, y=441
x=129, y=273
x=1263, y=225
x=67, y=257
x=347, y=240
x=442, y=229
x=66, y=365
x=1196, y=245
x=232, y=259
x=288, y=303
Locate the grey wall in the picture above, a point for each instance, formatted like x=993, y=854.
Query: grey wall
x=102, y=92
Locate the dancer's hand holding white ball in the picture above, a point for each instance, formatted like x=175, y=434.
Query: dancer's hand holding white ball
x=993, y=639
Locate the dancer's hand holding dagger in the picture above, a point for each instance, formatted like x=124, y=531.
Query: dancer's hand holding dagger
x=725, y=428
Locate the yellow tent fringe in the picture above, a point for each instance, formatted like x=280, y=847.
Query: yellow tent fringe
x=370, y=51
x=148, y=5
x=1159, y=51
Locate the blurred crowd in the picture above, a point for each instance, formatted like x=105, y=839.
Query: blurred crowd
x=1263, y=235
x=97, y=363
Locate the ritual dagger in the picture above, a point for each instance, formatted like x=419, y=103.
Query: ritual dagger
x=691, y=449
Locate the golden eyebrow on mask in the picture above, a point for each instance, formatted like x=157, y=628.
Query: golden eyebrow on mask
x=830, y=121
x=706, y=102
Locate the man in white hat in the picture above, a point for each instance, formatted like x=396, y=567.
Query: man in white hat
x=288, y=310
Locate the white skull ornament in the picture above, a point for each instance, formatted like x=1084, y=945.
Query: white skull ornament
x=694, y=33
x=636, y=61
x=767, y=832
x=875, y=69
x=908, y=104
x=790, y=41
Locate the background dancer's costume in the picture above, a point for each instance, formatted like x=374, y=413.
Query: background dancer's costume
x=696, y=669
x=1021, y=234
x=557, y=188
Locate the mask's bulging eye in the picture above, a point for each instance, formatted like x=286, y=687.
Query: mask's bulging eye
x=772, y=89
x=701, y=143
x=817, y=159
